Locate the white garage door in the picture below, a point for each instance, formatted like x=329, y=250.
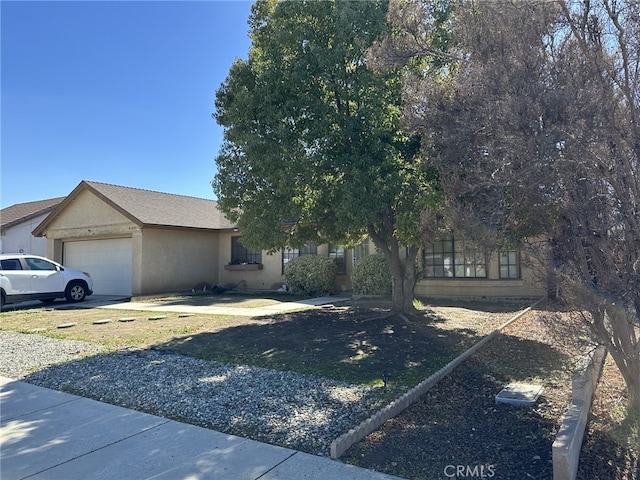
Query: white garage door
x=109, y=262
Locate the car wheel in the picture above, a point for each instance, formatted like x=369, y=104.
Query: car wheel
x=1, y=301
x=76, y=292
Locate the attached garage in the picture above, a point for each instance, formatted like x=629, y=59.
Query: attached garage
x=109, y=261
x=136, y=242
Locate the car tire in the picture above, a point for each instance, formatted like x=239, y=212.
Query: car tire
x=75, y=292
x=1, y=301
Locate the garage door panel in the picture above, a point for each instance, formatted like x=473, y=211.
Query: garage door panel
x=109, y=261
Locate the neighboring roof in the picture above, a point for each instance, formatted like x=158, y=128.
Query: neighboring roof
x=22, y=212
x=149, y=208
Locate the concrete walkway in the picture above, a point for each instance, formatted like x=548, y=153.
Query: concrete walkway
x=282, y=307
x=46, y=434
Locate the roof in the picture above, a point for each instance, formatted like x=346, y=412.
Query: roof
x=22, y=212
x=149, y=208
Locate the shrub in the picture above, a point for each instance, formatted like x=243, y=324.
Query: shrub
x=311, y=275
x=371, y=276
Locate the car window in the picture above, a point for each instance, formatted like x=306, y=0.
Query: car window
x=11, y=264
x=39, y=264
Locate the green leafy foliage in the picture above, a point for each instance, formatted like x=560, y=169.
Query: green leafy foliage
x=371, y=276
x=311, y=275
x=314, y=149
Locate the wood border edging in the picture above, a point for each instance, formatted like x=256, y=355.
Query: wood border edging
x=344, y=442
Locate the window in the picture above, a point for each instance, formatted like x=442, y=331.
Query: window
x=454, y=259
x=11, y=264
x=509, y=264
x=438, y=259
x=39, y=264
x=337, y=253
x=289, y=253
x=361, y=251
x=240, y=254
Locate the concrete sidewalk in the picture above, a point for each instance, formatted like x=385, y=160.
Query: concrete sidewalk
x=46, y=434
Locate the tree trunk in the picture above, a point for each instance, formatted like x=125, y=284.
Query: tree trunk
x=619, y=331
x=633, y=405
x=630, y=370
x=403, y=278
x=403, y=282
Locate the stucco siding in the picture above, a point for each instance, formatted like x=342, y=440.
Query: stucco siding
x=88, y=216
x=268, y=277
x=176, y=260
x=18, y=238
x=477, y=288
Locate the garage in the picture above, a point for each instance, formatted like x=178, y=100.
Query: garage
x=109, y=261
x=137, y=242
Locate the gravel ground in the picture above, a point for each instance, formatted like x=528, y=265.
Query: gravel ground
x=298, y=411
x=457, y=423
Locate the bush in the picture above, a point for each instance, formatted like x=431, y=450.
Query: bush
x=371, y=276
x=311, y=275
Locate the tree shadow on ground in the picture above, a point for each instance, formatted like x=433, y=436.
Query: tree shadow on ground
x=458, y=422
x=607, y=453
x=480, y=305
x=354, y=345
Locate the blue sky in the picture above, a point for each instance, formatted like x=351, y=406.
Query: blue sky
x=113, y=91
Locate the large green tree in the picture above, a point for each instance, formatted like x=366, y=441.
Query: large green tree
x=313, y=149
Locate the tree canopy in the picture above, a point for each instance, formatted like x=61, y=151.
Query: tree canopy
x=536, y=136
x=313, y=148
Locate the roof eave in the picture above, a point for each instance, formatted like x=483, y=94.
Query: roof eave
x=183, y=227
x=26, y=218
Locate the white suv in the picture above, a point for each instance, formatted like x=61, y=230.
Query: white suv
x=30, y=277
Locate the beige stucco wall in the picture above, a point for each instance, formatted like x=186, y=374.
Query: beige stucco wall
x=172, y=259
x=269, y=277
x=86, y=217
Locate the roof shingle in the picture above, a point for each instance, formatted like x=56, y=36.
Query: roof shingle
x=147, y=207
x=21, y=212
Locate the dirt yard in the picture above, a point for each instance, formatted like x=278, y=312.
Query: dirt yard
x=456, y=423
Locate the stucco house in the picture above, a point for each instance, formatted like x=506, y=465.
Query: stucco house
x=19, y=220
x=136, y=242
